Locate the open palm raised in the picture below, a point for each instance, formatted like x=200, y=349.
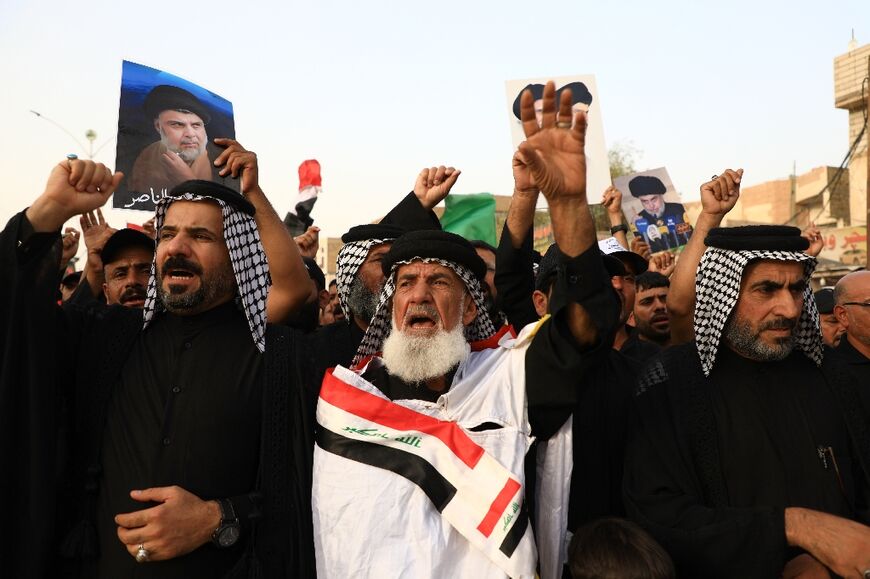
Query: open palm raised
x=554, y=152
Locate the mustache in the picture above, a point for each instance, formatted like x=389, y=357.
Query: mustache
x=136, y=292
x=426, y=310
x=178, y=262
x=779, y=324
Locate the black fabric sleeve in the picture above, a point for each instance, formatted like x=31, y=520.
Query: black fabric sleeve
x=410, y=215
x=662, y=493
x=515, y=280
x=555, y=365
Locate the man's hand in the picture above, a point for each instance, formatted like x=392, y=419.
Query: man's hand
x=238, y=161
x=840, y=544
x=434, y=184
x=554, y=152
x=640, y=247
x=74, y=187
x=720, y=195
x=663, y=262
x=181, y=523
x=70, y=246
x=177, y=167
x=308, y=242
x=814, y=236
x=805, y=567
x=612, y=201
x=96, y=233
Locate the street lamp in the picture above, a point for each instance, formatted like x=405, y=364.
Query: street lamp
x=90, y=135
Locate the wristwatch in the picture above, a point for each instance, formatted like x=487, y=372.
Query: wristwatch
x=227, y=533
x=617, y=228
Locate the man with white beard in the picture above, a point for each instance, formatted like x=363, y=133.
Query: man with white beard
x=418, y=467
x=181, y=154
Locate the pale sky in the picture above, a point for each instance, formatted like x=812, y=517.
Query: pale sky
x=376, y=90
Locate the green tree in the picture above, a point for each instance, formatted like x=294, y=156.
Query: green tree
x=622, y=157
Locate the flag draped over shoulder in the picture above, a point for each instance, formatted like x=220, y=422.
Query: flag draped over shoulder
x=471, y=216
x=299, y=218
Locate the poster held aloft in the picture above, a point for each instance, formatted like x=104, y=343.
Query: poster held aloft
x=653, y=209
x=166, y=127
x=584, y=93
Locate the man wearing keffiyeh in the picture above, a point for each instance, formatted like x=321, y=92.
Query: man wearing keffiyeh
x=421, y=444
x=189, y=446
x=750, y=454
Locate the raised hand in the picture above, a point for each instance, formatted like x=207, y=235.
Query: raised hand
x=434, y=184
x=96, y=233
x=74, y=186
x=663, y=262
x=308, y=242
x=554, y=152
x=238, y=161
x=70, y=246
x=640, y=247
x=720, y=195
x=148, y=228
x=612, y=201
x=814, y=236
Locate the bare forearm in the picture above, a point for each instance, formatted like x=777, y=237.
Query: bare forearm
x=291, y=285
x=681, y=296
x=520, y=217
x=573, y=227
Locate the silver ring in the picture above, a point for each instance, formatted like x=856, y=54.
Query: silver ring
x=142, y=554
x=866, y=573
x=563, y=125
x=70, y=158
x=714, y=177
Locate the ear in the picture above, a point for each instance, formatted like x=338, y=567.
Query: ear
x=840, y=313
x=630, y=321
x=470, y=312
x=541, y=302
x=157, y=125
x=322, y=299
x=105, y=291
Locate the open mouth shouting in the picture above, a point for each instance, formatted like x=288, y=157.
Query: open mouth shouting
x=179, y=273
x=422, y=319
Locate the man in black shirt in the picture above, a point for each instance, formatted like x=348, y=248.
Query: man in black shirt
x=749, y=456
x=187, y=430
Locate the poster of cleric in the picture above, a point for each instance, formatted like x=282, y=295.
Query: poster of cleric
x=584, y=95
x=166, y=128
x=653, y=209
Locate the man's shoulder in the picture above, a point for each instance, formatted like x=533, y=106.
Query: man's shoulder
x=668, y=364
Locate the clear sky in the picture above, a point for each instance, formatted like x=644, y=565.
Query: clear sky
x=376, y=90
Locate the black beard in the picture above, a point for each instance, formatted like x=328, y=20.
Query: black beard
x=363, y=303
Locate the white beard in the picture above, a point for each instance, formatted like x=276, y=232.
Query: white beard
x=416, y=359
x=187, y=155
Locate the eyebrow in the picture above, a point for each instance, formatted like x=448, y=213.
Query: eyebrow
x=191, y=230
x=770, y=285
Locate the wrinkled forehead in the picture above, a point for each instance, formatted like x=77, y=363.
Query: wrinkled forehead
x=184, y=214
x=426, y=270
x=773, y=270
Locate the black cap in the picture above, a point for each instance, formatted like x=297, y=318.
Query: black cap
x=171, y=98
x=537, y=94
x=216, y=190
x=122, y=239
x=372, y=231
x=646, y=185
x=824, y=300
x=579, y=93
x=757, y=237
x=434, y=243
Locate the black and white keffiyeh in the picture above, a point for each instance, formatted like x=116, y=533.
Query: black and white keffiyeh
x=350, y=257
x=381, y=324
x=717, y=288
x=246, y=254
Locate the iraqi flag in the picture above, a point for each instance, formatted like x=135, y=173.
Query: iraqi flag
x=299, y=218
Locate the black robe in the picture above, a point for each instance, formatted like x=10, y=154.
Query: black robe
x=713, y=462
x=59, y=369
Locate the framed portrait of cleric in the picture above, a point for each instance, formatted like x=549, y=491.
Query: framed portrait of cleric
x=653, y=209
x=585, y=96
x=166, y=127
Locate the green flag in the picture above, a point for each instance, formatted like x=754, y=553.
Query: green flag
x=471, y=216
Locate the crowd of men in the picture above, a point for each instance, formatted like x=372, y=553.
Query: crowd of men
x=199, y=402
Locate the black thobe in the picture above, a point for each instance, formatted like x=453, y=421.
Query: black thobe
x=713, y=462
x=857, y=365
x=598, y=395
x=637, y=349
x=186, y=412
x=82, y=392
